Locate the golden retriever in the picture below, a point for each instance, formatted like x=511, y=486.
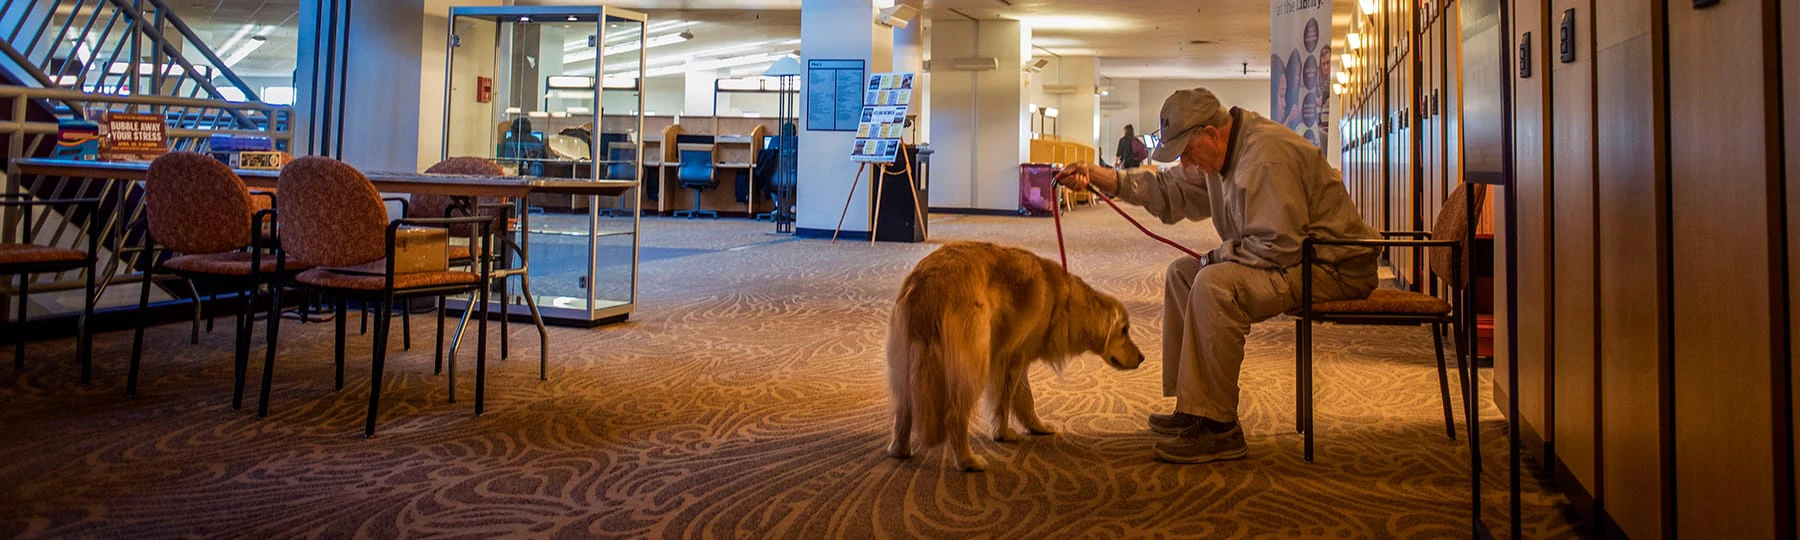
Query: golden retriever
x=970, y=318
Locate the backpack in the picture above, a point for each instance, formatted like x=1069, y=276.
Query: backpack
x=1138, y=151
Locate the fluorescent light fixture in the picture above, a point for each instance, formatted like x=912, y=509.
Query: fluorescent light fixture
x=513, y=110
x=897, y=16
x=719, y=63
x=975, y=63
x=537, y=114
x=580, y=110
x=236, y=37
x=573, y=82
x=232, y=94
x=613, y=82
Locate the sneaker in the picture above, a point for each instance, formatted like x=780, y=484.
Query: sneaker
x=1198, y=445
x=1173, y=424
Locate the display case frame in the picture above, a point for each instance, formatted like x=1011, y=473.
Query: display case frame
x=499, y=96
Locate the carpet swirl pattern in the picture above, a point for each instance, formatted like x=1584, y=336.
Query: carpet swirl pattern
x=744, y=399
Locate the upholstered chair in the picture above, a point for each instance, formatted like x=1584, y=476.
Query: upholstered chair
x=333, y=218
x=1387, y=306
x=198, y=209
x=27, y=259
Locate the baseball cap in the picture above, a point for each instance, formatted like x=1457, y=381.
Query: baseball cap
x=1182, y=115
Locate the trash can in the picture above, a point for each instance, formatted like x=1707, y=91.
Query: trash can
x=1037, y=188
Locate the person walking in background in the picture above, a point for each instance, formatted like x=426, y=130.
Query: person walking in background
x=1131, y=151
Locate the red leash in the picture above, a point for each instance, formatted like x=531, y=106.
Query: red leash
x=1056, y=212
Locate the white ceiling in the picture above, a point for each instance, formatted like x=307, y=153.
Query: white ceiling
x=1146, y=39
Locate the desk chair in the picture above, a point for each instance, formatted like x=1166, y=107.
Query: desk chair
x=696, y=173
x=623, y=165
x=332, y=217
x=26, y=259
x=1393, y=306
x=198, y=208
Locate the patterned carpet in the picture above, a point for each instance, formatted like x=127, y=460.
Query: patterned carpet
x=744, y=399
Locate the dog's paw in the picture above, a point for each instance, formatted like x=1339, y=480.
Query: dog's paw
x=899, y=452
x=1007, y=435
x=1041, y=429
x=972, y=464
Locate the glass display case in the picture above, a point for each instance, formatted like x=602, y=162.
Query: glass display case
x=555, y=92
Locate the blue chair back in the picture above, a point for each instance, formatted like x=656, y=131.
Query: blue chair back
x=696, y=170
x=624, y=164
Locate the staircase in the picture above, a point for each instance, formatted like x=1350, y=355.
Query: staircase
x=119, y=48
x=77, y=59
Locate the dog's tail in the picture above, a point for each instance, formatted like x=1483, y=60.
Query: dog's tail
x=944, y=373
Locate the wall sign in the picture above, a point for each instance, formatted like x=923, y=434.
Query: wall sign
x=133, y=137
x=1300, y=67
x=834, y=96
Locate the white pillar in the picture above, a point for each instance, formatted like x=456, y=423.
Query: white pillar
x=909, y=56
x=979, y=118
x=698, y=90
x=835, y=30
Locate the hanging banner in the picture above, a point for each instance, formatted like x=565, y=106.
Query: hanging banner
x=1300, y=67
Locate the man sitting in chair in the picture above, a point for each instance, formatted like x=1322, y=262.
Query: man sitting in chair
x=1266, y=189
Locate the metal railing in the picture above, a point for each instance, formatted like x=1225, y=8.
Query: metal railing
x=121, y=209
x=117, y=47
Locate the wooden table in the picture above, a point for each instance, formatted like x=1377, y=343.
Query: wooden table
x=386, y=182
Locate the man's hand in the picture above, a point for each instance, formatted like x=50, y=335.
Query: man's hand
x=1079, y=175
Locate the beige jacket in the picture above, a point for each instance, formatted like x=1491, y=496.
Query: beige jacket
x=1276, y=189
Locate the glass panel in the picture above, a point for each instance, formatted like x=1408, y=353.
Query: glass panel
x=526, y=94
x=621, y=120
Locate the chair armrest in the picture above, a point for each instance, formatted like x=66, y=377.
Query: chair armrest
x=405, y=205
x=1370, y=242
x=483, y=226
x=269, y=194
x=1407, y=234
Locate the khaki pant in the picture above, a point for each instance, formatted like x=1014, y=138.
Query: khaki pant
x=1208, y=310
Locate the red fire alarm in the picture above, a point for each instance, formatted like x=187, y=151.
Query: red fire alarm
x=484, y=90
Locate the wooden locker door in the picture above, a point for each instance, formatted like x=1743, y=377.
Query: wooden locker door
x=1631, y=197
x=1532, y=176
x=1576, y=381
x=1790, y=35
x=1731, y=462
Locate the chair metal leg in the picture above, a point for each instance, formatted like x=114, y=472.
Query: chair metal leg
x=1437, y=343
x=406, y=327
x=543, y=333
x=19, y=338
x=199, y=310
x=1299, y=366
x=342, y=313
x=380, y=358
x=1307, y=376
x=84, y=329
x=505, y=299
x=137, y=335
x=365, y=319
x=1465, y=360
x=437, y=364
x=274, y=328
x=481, y=353
x=247, y=321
